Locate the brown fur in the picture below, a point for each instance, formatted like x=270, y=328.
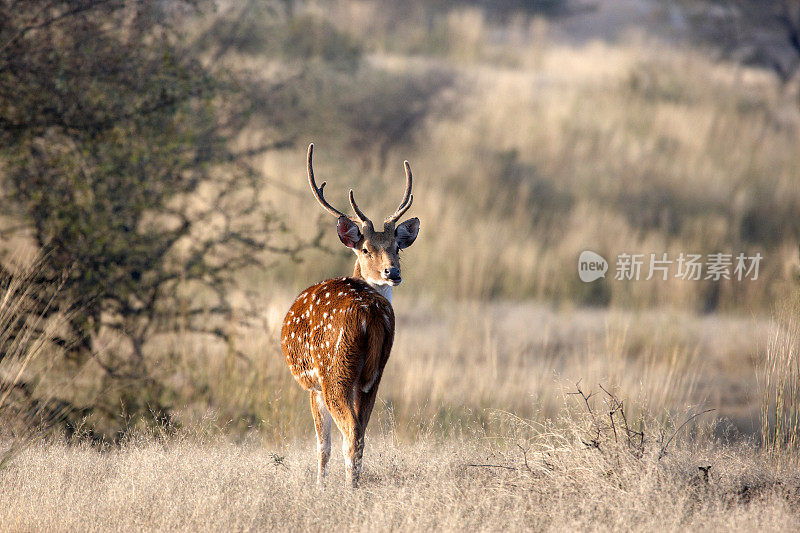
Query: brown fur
x=336, y=339
x=320, y=316
x=338, y=334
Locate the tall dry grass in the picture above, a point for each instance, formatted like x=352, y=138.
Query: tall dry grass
x=28, y=408
x=455, y=363
x=637, y=146
x=542, y=150
x=780, y=385
x=536, y=476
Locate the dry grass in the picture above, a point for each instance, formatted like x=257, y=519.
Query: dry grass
x=780, y=384
x=623, y=147
x=476, y=429
x=637, y=147
x=452, y=362
x=534, y=478
x=26, y=352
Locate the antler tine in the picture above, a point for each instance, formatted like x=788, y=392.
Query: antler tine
x=359, y=213
x=318, y=193
x=408, y=198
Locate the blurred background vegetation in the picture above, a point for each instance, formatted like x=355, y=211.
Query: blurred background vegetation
x=155, y=217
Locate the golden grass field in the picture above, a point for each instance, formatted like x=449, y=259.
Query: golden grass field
x=191, y=484
x=477, y=427
x=548, y=148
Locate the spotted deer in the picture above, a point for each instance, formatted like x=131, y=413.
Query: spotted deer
x=337, y=334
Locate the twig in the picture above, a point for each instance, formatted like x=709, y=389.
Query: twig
x=613, y=426
x=494, y=466
x=525, y=457
x=595, y=442
x=584, y=396
x=663, y=451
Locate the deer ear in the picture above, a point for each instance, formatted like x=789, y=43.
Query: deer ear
x=348, y=232
x=407, y=232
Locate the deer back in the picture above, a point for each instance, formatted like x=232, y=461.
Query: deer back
x=335, y=333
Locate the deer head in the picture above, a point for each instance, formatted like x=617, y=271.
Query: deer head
x=377, y=258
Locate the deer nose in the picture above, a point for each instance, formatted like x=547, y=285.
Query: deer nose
x=392, y=274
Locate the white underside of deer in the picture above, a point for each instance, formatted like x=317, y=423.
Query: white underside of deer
x=338, y=334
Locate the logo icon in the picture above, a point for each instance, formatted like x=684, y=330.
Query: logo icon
x=591, y=266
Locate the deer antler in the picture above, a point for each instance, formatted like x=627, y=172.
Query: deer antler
x=359, y=213
x=318, y=194
x=405, y=204
x=408, y=198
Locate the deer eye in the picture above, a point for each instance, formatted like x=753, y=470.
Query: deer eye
x=365, y=250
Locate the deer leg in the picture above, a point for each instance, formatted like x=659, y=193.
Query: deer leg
x=366, y=392
x=344, y=416
x=322, y=423
x=364, y=402
x=353, y=451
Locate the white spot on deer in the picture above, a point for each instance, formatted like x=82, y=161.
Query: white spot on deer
x=313, y=374
x=339, y=340
x=325, y=315
x=327, y=295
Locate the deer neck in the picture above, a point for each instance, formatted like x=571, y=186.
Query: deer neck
x=383, y=289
